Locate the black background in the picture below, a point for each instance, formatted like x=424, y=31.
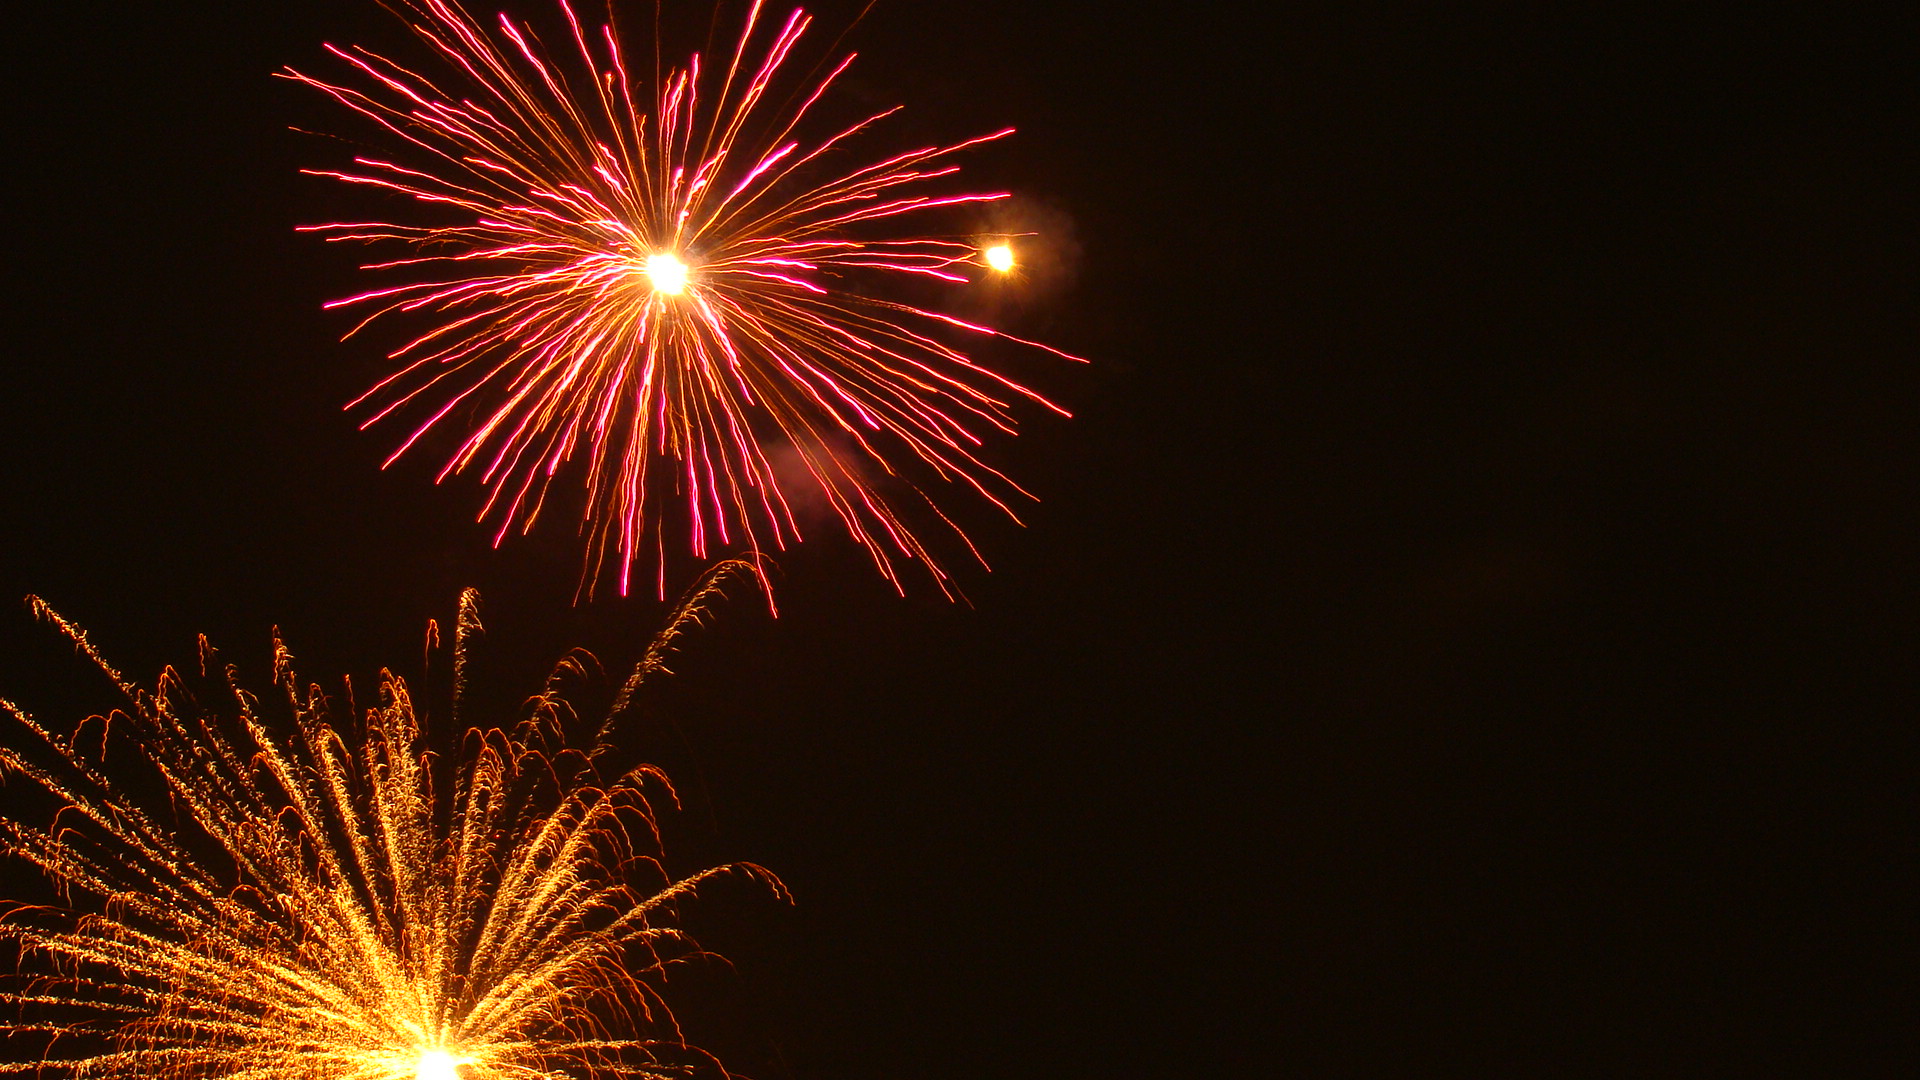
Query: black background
x=1467, y=628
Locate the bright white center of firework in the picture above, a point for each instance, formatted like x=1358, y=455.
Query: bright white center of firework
x=437, y=1065
x=1000, y=257
x=667, y=273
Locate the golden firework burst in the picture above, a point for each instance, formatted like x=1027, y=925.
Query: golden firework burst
x=245, y=898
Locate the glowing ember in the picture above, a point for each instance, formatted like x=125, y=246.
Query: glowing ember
x=1000, y=257
x=782, y=376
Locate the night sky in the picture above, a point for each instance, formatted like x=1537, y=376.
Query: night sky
x=1468, y=625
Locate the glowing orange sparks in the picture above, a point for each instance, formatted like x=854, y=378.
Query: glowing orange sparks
x=678, y=295
x=1000, y=257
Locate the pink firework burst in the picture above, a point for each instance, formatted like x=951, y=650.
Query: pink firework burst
x=680, y=285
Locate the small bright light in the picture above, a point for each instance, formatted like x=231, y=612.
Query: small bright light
x=667, y=273
x=438, y=1065
x=1000, y=257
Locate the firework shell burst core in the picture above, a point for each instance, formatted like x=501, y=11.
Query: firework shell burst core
x=666, y=274
x=438, y=1065
x=776, y=354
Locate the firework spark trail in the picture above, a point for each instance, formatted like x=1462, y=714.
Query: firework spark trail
x=325, y=906
x=671, y=290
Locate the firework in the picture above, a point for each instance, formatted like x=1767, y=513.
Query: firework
x=331, y=903
x=682, y=284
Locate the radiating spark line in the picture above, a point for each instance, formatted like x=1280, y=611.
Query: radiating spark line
x=331, y=901
x=669, y=288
